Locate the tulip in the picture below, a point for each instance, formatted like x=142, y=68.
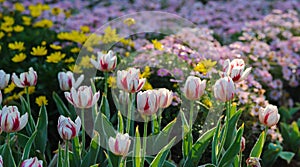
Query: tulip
x=147, y=102
x=269, y=116
x=253, y=162
x=119, y=145
x=194, y=88
x=235, y=69
x=10, y=120
x=0, y=97
x=224, y=89
x=1, y=161
x=67, y=129
x=165, y=97
x=83, y=98
x=105, y=62
x=32, y=162
x=123, y=98
x=4, y=79
x=129, y=80
x=26, y=79
x=243, y=144
x=67, y=80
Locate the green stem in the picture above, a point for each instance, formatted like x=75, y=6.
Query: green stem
x=191, y=115
x=66, y=153
x=9, y=148
x=28, y=100
x=240, y=159
x=105, y=83
x=145, y=139
x=128, y=115
x=226, y=128
x=83, y=130
x=266, y=132
x=159, y=114
x=122, y=162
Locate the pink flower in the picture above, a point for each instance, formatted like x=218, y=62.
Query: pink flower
x=235, y=69
x=105, y=62
x=1, y=161
x=10, y=120
x=83, y=98
x=147, y=102
x=67, y=129
x=194, y=88
x=165, y=97
x=0, y=97
x=243, y=144
x=119, y=145
x=224, y=89
x=32, y=162
x=26, y=79
x=4, y=79
x=67, y=81
x=269, y=116
x=129, y=80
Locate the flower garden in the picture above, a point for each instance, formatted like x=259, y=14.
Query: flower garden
x=149, y=83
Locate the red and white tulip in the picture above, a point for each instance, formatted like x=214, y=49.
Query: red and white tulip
x=1, y=161
x=147, y=102
x=129, y=80
x=67, y=81
x=165, y=97
x=4, y=79
x=269, y=116
x=26, y=78
x=67, y=129
x=119, y=145
x=243, y=143
x=32, y=162
x=236, y=69
x=224, y=89
x=0, y=97
x=10, y=120
x=194, y=88
x=83, y=98
x=105, y=62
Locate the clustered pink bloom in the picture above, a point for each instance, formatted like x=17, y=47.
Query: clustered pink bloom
x=26, y=78
x=83, y=98
x=67, y=81
x=32, y=162
x=105, y=62
x=10, y=120
x=129, y=81
x=119, y=145
x=67, y=129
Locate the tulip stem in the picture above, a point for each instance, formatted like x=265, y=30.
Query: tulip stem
x=9, y=148
x=105, y=83
x=28, y=100
x=191, y=115
x=83, y=131
x=227, y=104
x=159, y=117
x=130, y=113
x=145, y=139
x=66, y=153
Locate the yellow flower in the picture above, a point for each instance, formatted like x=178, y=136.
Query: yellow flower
x=75, y=50
x=75, y=68
x=127, y=42
x=16, y=46
x=1, y=34
x=127, y=54
x=9, y=21
x=205, y=66
x=69, y=60
x=74, y=36
x=147, y=86
x=39, y=51
x=41, y=100
x=110, y=35
x=112, y=82
x=26, y=20
x=207, y=102
x=9, y=88
x=6, y=28
x=45, y=23
x=45, y=6
x=31, y=89
x=85, y=61
x=44, y=43
x=55, y=57
x=55, y=11
x=157, y=45
x=35, y=10
x=19, y=7
x=146, y=73
x=85, y=29
x=67, y=13
x=19, y=58
x=18, y=28
x=129, y=21
x=55, y=47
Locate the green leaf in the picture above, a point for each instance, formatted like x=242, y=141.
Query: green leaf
x=215, y=145
x=41, y=128
x=7, y=156
x=187, y=136
x=137, y=149
x=108, y=159
x=61, y=107
x=258, y=146
x=120, y=123
x=155, y=125
x=92, y=155
x=233, y=149
x=28, y=145
x=199, y=148
x=160, y=158
x=149, y=159
x=31, y=124
x=105, y=107
x=271, y=154
x=231, y=132
x=288, y=156
x=60, y=157
x=76, y=150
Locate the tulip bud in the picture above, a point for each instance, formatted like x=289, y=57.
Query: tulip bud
x=32, y=162
x=105, y=62
x=26, y=79
x=269, y=116
x=124, y=98
x=235, y=69
x=224, y=89
x=1, y=161
x=129, y=80
x=10, y=120
x=4, y=79
x=253, y=162
x=194, y=88
x=147, y=102
x=0, y=97
x=119, y=145
x=83, y=98
x=67, y=129
x=67, y=81
x=165, y=97
x=243, y=144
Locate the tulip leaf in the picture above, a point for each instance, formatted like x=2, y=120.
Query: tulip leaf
x=92, y=155
x=149, y=159
x=76, y=150
x=137, y=149
x=41, y=128
x=155, y=124
x=198, y=148
x=215, y=145
x=231, y=132
x=30, y=125
x=120, y=122
x=258, y=146
x=8, y=159
x=105, y=107
x=28, y=145
x=288, y=156
x=233, y=149
x=60, y=156
x=187, y=136
x=160, y=158
x=108, y=159
x=61, y=107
